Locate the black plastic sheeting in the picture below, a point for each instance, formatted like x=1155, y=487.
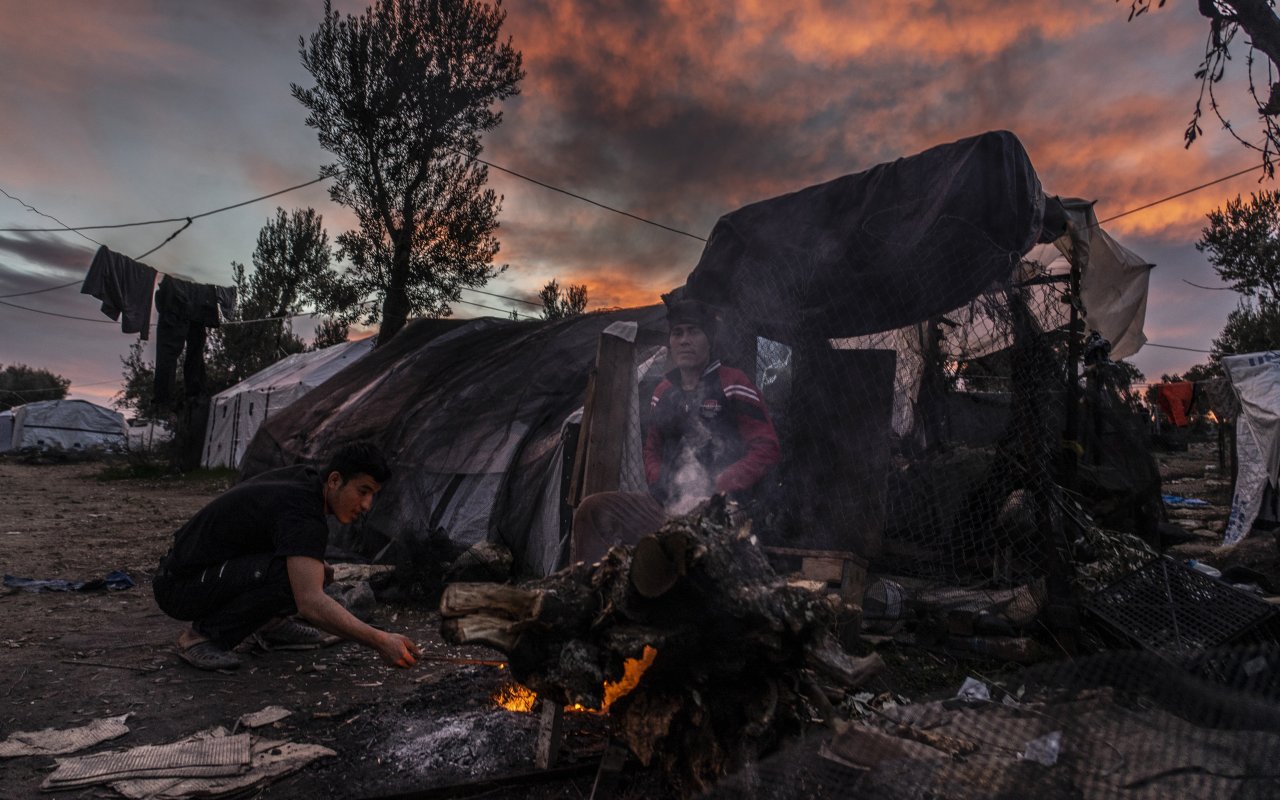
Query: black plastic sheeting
x=470, y=416
x=877, y=250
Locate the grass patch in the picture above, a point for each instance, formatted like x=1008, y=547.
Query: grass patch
x=161, y=472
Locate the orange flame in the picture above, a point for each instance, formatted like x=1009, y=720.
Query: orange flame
x=632, y=670
x=521, y=699
x=517, y=698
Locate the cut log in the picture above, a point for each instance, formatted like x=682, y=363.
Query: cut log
x=461, y=599
x=495, y=632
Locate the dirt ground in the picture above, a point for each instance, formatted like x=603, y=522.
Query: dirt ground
x=69, y=658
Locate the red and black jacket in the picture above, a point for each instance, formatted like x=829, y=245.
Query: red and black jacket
x=721, y=429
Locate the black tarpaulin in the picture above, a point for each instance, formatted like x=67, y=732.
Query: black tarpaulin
x=469, y=416
x=888, y=247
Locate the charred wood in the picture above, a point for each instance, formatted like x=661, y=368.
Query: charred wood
x=739, y=652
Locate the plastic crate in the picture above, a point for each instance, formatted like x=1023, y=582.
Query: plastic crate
x=1168, y=608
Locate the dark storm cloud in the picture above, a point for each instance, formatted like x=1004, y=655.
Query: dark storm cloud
x=35, y=260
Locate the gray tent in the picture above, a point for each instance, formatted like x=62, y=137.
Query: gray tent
x=67, y=425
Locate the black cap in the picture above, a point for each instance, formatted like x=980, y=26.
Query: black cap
x=691, y=312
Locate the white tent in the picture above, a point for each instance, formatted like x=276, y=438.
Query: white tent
x=237, y=412
x=1256, y=380
x=66, y=425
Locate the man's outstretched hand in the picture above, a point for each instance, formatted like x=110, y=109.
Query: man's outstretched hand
x=398, y=650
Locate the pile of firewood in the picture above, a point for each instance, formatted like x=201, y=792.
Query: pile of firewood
x=743, y=661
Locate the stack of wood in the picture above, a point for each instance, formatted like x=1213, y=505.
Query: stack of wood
x=744, y=660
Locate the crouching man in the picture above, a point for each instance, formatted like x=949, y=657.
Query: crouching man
x=254, y=557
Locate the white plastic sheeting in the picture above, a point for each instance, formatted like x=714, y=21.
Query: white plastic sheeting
x=1256, y=379
x=66, y=425
x=236, y=413
x=1113, y=279
x=6, y=430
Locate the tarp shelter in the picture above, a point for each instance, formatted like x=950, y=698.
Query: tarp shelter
x=472, y=417
x=6, y=430
x=66, y=425
x=237, y=412
x=1256, y=380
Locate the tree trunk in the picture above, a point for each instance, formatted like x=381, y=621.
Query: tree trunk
x=395, y=306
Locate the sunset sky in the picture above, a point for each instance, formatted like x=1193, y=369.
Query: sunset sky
x=124, y=110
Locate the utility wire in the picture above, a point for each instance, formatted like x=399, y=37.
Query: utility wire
x=154, y=221
x=504, y=311
x=1180, y=194
x=1175, y=347
x=39, y=291
x=54, y=313
x=505, y=297
x=576, y=196
x=64, y=225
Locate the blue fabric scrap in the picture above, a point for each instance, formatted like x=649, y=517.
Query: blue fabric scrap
x=1183, y=502
x=115, y=581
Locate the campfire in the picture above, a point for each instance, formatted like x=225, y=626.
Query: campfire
x=748, y=661
x=521, y=699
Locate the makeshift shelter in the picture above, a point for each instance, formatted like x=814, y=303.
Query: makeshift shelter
x=236, y=413
x=1255, y=377
x=875, y=336
x=472, y=415
x=66, y=425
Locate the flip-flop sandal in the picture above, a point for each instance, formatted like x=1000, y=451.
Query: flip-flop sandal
x=207, y=655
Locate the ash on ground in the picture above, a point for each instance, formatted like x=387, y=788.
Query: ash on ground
x=474, y=744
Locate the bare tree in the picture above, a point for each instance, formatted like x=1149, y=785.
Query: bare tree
x=403, y=93
x=1258, y=19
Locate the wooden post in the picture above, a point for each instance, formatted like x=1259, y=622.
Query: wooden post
x=549, y=735
x=611, y=394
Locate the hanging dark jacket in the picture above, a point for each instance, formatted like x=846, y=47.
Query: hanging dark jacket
x=124, y=287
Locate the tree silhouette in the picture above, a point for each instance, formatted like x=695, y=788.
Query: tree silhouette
x=403, y=93
x=557, y=304
x=20, y=384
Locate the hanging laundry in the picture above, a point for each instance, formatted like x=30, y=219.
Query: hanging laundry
x=1175, y=400
x=124, y=287
x=1216, y=395
x=186, y=310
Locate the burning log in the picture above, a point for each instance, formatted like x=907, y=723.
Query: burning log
x=703, y=657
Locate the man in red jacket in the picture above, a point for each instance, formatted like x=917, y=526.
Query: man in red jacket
x=709, y=433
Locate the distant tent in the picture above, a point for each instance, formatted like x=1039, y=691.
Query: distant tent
x=6, y=430
x=473, y=418
x=66, y=425
x=237, y=412
x=1256, y=380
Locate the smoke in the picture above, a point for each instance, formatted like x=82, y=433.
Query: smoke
x=691, y=481
x=691, y=484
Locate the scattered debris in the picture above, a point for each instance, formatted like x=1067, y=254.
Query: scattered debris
x=196, y=756
x=1044, y=750
x=206, y=764
x=266, y=716
x=115, y=581
x=1177, y=501
x=50, y=742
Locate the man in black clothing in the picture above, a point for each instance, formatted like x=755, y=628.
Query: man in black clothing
x=255, y=556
